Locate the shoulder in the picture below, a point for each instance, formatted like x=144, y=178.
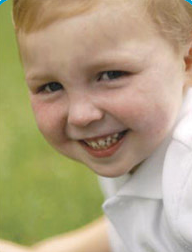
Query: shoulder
x=177, y=177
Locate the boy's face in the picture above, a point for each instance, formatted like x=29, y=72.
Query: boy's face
x=100, y=74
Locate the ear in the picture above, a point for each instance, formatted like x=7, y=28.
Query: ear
x=188, y=60
x=188, y=67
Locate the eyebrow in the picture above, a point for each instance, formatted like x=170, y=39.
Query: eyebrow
x=37, y=77
x=116, y=62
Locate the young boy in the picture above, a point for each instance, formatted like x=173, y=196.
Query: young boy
x=109, y=83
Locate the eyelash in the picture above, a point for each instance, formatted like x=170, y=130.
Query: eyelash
x=114, y=74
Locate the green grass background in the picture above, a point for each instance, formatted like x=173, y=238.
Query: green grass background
x=41, y=193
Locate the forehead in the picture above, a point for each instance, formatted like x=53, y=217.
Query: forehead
x=89, y=35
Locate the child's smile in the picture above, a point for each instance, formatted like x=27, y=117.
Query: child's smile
x=104, y=146
x=105, y=87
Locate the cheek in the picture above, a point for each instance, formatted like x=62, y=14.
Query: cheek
x=148, y=118
x=156, y=121
x=50, y=120
x=144, y=113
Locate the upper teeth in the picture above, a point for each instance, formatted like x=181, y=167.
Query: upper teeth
x=104, y=142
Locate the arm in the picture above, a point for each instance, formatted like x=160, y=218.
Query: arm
x=6, y=246
x=92, y=237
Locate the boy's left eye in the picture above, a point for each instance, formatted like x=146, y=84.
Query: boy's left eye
x=111, y=75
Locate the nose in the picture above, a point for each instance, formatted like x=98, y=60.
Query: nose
x=83, y=111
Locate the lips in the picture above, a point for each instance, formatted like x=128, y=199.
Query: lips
x=104, y=146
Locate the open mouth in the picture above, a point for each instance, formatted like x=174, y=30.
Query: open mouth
x=104, y=146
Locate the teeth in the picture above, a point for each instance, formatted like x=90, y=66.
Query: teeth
x=104, y=143
x=94, y=145
x=114, y=140
x=109, y=139
x=116, y=135
x=101, y=143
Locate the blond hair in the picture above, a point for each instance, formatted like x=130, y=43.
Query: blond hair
x=173, y=17
x=34, y=15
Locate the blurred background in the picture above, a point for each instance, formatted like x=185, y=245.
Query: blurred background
x=41, y=193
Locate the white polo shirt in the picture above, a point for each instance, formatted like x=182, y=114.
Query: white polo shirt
x=151, y=210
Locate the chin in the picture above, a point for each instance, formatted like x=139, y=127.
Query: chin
x=111, y=172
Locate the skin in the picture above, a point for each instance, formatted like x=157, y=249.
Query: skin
x=77, y=53
x=92, y=237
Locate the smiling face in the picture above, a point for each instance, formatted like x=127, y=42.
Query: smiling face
x=105, y=89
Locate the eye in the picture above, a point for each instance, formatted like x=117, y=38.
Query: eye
x=111, y=75
x=51, y=87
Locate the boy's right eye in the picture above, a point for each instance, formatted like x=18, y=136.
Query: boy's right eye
x=51, y=87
